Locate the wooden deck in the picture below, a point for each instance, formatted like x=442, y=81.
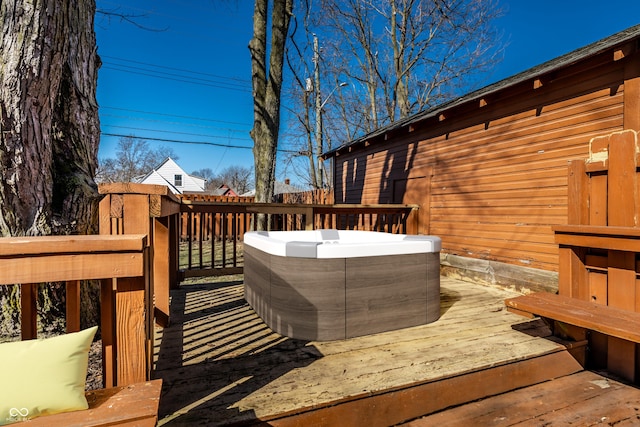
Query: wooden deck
x=221, y=365
x=581, y=399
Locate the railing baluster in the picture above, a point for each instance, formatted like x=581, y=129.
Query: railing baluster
x=212, y=236
x=29, y=311
x=202, y=222
x=224, y=240
x=73, y=305
x=235, y=239
x=190, y=237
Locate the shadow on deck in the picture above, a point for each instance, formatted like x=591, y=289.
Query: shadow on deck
x=221, y=365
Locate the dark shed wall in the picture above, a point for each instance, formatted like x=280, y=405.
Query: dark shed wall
x=491, y=177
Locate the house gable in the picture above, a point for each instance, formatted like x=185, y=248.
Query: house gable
x=169, y=173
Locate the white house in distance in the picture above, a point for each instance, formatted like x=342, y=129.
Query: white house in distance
x=173, y=176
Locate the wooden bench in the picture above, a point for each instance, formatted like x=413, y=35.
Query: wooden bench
x=122, y=265
x=611, y=321
x=135, y=405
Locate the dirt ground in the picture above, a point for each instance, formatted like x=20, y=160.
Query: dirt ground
x=94, y=371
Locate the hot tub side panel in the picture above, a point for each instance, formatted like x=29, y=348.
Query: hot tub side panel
x=308, y=298
x=389, y=292
x=433, y=286
x=257, y=280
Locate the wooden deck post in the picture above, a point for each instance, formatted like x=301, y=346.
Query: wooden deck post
x=152, y=210
x=137, y=302
x=622, y=265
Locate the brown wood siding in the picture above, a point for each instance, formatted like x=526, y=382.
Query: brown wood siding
x=499, y=175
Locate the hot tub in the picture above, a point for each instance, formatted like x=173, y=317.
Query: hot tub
x=336, y=284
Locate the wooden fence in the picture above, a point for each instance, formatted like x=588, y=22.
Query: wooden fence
x=312, y=197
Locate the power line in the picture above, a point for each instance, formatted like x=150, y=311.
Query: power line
x=244, y=81
x=177, y=141
x=149, y=73
x=180, y=141
x=195, y=80
x=165, y=122
x=174, y=75
x=175, y=115
x=177, y=133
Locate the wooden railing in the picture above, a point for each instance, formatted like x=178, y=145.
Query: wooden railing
x=152, y=210
x=194, y=236
x=121, y=263
x=211, y=238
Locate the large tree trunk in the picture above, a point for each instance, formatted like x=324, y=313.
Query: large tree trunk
x=267, y=84
x=49, y=126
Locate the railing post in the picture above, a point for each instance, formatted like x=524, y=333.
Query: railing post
x=162, y=268
x=413, y=221
x=309, y=219
x=150, y=210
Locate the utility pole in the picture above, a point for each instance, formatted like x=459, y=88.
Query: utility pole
x=316, y=75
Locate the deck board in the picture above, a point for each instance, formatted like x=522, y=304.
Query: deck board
x=221, y=365
x=584, y=398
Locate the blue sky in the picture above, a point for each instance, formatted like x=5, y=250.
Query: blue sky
x=190, y=79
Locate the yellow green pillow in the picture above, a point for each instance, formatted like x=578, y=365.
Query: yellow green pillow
x=44, y=376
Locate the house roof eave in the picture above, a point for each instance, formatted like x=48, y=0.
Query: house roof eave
x=616, y=42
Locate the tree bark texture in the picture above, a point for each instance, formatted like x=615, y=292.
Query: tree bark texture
x=49, y=126
x=266, y=70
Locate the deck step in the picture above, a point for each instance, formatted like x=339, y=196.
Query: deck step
x=584, y=398
x=393, y=406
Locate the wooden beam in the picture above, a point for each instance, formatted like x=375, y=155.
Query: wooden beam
x=42, y=245
x=624, y=51
x=133, y=188
x=78, y=266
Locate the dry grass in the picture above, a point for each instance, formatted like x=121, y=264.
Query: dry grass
x=208, y=247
